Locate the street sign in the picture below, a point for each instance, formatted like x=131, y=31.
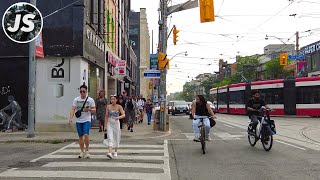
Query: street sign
x=296, y=57
x=154, y=61
x=152, y=74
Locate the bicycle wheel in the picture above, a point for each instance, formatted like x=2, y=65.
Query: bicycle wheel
x=267, y=139
x=203, y=138
x=251, y=136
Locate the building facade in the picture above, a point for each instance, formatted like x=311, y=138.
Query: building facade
x=312, y=57
x=144, y=53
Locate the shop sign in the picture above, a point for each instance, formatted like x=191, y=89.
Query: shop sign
x=95, y=40
x=315, y=47
x=121, y=68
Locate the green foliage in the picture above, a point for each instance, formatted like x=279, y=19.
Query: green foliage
x=247, y=66
x=275, y=71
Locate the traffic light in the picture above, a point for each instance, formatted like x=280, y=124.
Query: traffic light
x=150, y=85
x=283, y=59
x=187, y=94
x=168, y=64
x=163, y=62
x=175, y=36
x=206, y=10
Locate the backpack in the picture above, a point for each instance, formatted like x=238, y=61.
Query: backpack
x=129, y=105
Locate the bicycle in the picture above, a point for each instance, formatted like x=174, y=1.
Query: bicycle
x=202, y=133
x=265, y=132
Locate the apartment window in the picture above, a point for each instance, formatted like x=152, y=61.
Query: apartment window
x=91, y=11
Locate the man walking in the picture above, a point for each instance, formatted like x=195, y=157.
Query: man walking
x=130, y=113
x=82, y=107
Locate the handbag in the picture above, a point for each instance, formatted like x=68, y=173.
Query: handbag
x=212, y=122
x=78, y=113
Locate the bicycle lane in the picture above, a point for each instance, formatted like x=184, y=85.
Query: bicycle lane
x=289, y=134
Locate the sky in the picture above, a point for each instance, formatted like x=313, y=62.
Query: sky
x=240, y=28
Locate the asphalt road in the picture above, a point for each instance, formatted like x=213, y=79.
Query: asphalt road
x=229, y=155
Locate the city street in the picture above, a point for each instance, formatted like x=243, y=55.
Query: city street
x=229, y=155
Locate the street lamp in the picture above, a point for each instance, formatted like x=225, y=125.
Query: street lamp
x=267, y=37
x=185, y=54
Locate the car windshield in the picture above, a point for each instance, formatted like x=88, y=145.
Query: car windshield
x=179, y=103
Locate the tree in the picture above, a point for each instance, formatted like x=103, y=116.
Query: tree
x=275, y=71
x=247, y=66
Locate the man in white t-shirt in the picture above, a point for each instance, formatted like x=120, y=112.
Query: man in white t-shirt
x=84, y=121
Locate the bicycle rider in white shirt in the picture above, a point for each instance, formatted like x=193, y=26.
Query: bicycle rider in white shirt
x=201, y=108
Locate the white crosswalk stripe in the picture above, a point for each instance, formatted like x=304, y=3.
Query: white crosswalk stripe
x=146, y=162
x=221, y=135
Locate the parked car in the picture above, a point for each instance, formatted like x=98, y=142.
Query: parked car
x=212, y=106
x=179, y=107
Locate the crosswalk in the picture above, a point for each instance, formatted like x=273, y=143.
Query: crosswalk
x=221, y=135
x=134, y=161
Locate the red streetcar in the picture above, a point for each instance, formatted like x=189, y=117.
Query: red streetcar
x=300, y=96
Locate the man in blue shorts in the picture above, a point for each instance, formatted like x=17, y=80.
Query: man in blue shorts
x=83, y=122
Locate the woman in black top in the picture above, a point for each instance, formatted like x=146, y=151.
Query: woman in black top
x=201, y=108
x=122, y=103
x=101, y=103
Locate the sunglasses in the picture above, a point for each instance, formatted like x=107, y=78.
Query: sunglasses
x=82, y=91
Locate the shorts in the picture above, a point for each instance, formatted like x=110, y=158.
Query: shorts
x=83, y=128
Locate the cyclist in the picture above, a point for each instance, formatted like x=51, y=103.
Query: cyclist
x=201, y=108
x=253, y=106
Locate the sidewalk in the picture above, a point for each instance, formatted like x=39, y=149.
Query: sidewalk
x=141, y=131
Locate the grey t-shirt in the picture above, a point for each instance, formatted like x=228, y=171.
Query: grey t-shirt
x=85, y=116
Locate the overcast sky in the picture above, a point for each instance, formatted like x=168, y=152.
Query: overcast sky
x=239, y=29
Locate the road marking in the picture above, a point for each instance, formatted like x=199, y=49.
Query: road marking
x=166, y=160
x=82, y=174
x=104, y=157
x=103, y=164
x=225, y=135
x=65, y=147
x=119, y=151
x=228, y=126
x=291, y=145
x=122, y=145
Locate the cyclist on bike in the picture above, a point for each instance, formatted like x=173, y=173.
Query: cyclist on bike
x=201, y=108
x=253, y=106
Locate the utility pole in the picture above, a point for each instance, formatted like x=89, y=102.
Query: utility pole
x=163, y=36
x=32, y=85
x=297, y=53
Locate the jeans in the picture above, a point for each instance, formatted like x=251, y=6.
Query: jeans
x=149, y=117
x=195, y=124
x=255, y=121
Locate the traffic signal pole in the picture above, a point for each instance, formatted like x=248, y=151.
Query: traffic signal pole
x=163, y=33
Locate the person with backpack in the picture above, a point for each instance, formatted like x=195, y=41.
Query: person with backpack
x=130, y=113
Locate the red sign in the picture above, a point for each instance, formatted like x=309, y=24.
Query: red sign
x=112, y=59
x=39, y=46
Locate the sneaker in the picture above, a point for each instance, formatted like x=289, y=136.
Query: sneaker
x=208, y=138
x=81, y=155
x=131, y=130
x=109, y=155
x=115, y=154
x=149, y=124
x=87, y=155
x=128, y=128
x=196, y=139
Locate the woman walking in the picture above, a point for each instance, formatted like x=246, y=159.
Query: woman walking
x=82, y=107
x=101, y=103
x=122, y=103
x=148, y=109
x=113, y=126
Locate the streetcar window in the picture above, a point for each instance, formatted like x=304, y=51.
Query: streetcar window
x=272, y=96
x=237, y=97
x=222, y=98
x=308, y=95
